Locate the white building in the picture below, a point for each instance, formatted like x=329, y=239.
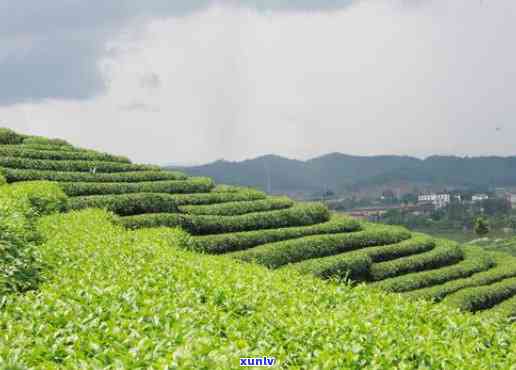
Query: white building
x=438, y=200
x=479, y=198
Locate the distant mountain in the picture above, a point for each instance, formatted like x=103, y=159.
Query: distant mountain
x=339, y=172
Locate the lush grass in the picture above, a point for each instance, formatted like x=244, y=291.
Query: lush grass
x=239, y=208
x=299, y=215
x=119, y=299
x=475, y=260
x=230, y=242
x=191, y=185
x=18, y=175
x=296, y=250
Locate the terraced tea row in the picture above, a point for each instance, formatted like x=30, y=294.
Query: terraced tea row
x=247, y=225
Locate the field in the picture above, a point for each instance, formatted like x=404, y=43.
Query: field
x=121, y=286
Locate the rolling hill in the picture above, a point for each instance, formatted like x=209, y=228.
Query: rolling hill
x=340, y=172
x=121, y=272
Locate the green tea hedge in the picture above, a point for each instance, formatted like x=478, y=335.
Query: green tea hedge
x=296, y=250
x=239, y=208
x=17, y=175
x=475, y=260
x=40, y=140
x=445, y=253
x=17, y=151
x=141, y=203
x=482, y=297
x=191, y=185
x=127, y=300
x=229, y=242
x=20, y=264
x=418, y=243
x=506, y=308
x=127, y=204
x=72, y=166
x=299, y=215
x=353, y=266
x=505, y=268
x=8, y=136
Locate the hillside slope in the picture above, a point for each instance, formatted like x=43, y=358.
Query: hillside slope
x=247, y=225
x=143, y=303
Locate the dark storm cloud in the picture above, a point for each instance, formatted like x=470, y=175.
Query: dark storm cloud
x=51, y=49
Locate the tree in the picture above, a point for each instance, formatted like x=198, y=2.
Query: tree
x=481, y=226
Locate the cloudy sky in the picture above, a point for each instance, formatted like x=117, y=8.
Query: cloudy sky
x=191, y=81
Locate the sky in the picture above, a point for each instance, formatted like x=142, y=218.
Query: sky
x=193, y=81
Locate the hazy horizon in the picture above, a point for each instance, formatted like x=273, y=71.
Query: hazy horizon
x=195, y=81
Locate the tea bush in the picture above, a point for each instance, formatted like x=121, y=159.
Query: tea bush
x=416, y=244
x=191, y=185
x=296, y=250
x=8, y=136
x=72, y=166
x=475, y=260
x=141, y=203
x=353, y=266
x=299, y=215
x=22, y=152
x=505, y=268
x=40, y=140
x=223, y=243
x=239, y=208
x=482, y=297
x=17, y=175
x=19, y=207
x=444, y=253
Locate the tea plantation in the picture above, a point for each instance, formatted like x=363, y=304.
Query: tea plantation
x=120, y=286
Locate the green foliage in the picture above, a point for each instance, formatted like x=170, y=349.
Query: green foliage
x=40, y=140
x=191, y=185
x=119, y=299
x=16, y=175
x=140, y=203
x=418, y=243
x=299, y=215
x=475, y=260
x=506, y=308
x=43, y=197
x=127, y=204
x=72, y=166
x=239, y=208
x=354, y=266
x=229, y=242
x=19, y=207
x=505, y=268
x=482, y=297
x=443, y=254
x=296, y=250
x=8, y=136
x=21, y=152
x=3, y=181
x=481, y=226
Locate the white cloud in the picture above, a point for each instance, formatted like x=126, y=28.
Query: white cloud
x=234, y=82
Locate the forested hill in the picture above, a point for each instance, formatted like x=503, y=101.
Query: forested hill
x=338, y=171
